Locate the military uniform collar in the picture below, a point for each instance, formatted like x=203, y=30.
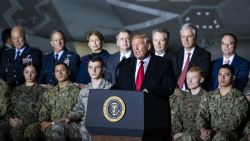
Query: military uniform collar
x=58, y=89
x=101, y=85
x=217, y=92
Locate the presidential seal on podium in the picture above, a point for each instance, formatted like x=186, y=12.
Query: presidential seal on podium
x=114, y=109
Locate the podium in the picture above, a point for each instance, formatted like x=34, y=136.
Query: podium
x=145, y=117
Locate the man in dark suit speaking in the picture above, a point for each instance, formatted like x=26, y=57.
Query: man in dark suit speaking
x=145, y=71
x=149, y=73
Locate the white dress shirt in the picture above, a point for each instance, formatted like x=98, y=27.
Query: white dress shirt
x=60, y=53
x=126, y=55
x=230, y=59
x=145, y=65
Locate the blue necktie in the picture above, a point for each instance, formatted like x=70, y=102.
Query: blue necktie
x=56, y=57
x=17, y=54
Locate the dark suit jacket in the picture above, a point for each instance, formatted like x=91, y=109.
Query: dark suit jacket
x=169, y=55
x=200, y=57
x=241, y=67
x=110, y=71
x=12, y=69
x=159, y=78
x=47, y=75
x=111, y=67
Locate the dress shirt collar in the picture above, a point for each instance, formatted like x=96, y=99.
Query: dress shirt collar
x=161, y=55
x=230, y=58
x=191, y=51
x=146, y=62
x=127, y=55
x=60, y=53
x=20, y=50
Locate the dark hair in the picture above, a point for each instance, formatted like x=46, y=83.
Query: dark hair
x=229, y=67
x=96, y=59
x=30, y=64
x=64, y=64
x=6, y=34
x=232, y=35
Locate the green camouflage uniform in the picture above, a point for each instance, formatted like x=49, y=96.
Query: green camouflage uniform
x=4, y=98
x=58, y=102
x=247, y=128
x=79, y=110
x=174, y=100
x=184, y=120
x=223, y=114
x=25, y=104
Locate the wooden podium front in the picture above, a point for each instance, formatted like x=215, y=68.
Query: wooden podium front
x=145, y=117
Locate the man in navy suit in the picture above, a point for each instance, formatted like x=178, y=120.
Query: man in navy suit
x=196, y=55
x=241, y=65
x=60, y=55
x=160, y=38
x=14, y=60
x=123, y=42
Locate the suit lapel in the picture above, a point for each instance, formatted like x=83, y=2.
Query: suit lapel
x=64, y=55
x=180, y=61
x=150, y=69
x=235, y=61
x=194, y=56
x=25, y=53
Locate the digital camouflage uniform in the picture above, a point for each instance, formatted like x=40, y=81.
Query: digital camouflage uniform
x=58, y=102
x=184, y=120
x=80, y=109
x=25, y=104
x=247, y=128
x=4, y=98
x=223, y=114
x=174, y=100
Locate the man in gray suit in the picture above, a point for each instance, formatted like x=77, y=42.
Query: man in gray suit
x=123, y=42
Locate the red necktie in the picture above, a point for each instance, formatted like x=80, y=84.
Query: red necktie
x=140, y=75
x=184, y=72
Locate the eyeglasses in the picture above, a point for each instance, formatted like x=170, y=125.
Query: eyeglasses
x=227, y=43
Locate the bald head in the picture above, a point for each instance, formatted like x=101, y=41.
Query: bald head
x=18, y=37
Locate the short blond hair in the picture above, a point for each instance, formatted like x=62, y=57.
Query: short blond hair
x=197, y=69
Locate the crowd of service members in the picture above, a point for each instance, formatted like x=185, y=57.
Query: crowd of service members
x=45, y=96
